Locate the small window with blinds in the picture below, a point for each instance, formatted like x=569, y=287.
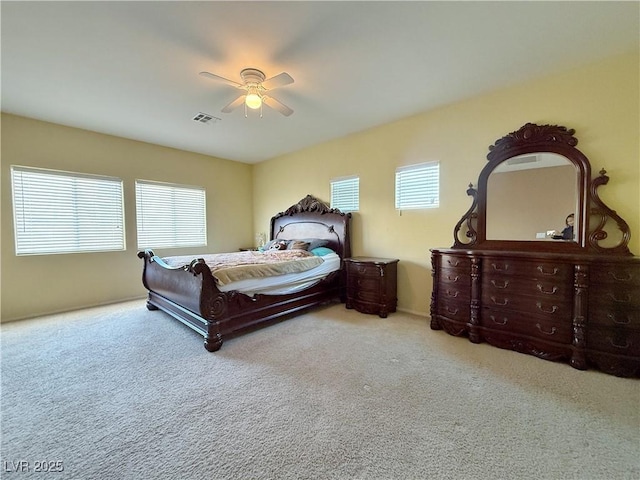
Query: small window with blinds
x=418, y=186
x=345, y=194
x=66, y=212
x=170, y=216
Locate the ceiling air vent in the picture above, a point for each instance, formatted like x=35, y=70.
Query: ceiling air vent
x=205, y=118
x=523, y=159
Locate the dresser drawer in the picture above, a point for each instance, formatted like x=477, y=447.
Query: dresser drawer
x=458, y=263
x=560, y=272
x=454, y=310
x=529, y=305
x=610, y=296
x=619, y=275
x=618, y=341
x=539, y=326
x=614, y=317
x=541, y=287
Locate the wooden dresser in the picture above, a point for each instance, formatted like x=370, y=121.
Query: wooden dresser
x=372, y=284
x=581, y=309
x=575, y=300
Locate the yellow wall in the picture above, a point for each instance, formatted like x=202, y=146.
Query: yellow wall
x=34, y=285
x=601, y=102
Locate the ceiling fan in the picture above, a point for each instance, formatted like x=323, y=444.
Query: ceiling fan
x=255, y=90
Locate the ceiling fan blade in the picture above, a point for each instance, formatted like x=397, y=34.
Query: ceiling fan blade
x=276, y=105
x=235, y=104
x=279, y=80
x=221, y=79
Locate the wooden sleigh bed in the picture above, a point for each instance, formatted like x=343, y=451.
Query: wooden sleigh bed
x=190, y=293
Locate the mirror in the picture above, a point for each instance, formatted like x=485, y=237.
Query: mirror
x=530, y=197
x=520, y=208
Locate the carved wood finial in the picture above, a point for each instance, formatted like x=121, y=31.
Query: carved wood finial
x=530, y=134
x=310, y=204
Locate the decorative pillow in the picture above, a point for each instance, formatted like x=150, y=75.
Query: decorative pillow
x=279, y=245
x=321, y=251
x=267, y=246
x=315, y=242
x=298, y=245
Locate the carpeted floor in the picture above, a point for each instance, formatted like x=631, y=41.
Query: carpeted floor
x=119, y=392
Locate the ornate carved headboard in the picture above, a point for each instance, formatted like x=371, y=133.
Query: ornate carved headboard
x=312, y=218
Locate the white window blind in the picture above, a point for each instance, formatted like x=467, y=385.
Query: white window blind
x=66, y=212
x=345, y=194
x=170, y=215
x=418, y=186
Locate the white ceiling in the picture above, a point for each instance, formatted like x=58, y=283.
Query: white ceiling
x=131, y=68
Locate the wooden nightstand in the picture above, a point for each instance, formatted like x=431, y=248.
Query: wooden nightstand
x=372, y=284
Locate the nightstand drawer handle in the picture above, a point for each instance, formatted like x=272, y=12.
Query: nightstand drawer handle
x=620, y=300
x=615, y=277
x=547, y=292
x=622, y=321
x=452, y=312
x=553, y=308
x=453, y=264
x=503, y=322
x=452, y=294
x=552, y=332
x=541, y=270
x=625, y=346
x=500, y=268
x=453, y=279
x=504, y=284
x=504, y=302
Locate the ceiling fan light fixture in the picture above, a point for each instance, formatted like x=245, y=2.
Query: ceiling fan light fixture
x=256, y=88
x=253, y=100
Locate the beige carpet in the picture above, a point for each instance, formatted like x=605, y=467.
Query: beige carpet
x=119, y=392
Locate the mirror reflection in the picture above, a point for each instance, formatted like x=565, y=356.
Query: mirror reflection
x=532, y=197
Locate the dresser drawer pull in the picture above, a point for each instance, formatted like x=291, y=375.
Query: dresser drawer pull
x=615, y=277
x=453, y=279
x=500, y=268
x=504, y=302
x=503, y=322
x=452, y=312
x=620, y=300
x=542, y=271
x=623, y=321
x=504, y=284
x=545, y=310
x=452, y=294
x=625, y=346
x=457, y=262
x=552, y=332
x=541, y=289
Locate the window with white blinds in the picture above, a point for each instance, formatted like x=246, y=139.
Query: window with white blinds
x=170, y=215
x=418, y=186
x=345, y=194
x=66, y=212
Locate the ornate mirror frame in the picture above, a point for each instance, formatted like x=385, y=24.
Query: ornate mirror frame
x=592, y=214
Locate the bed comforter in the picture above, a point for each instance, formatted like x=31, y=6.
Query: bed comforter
x=233, y=267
